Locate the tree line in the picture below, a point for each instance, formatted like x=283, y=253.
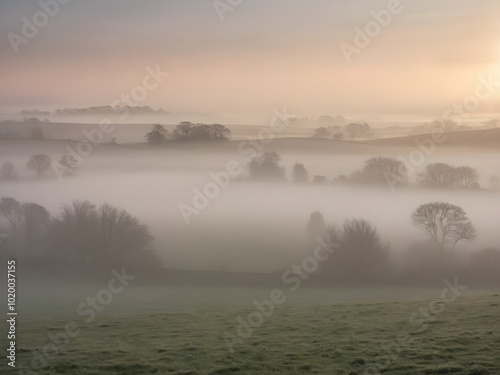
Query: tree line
x=376, y=171
x=187, y=131
x=81, y=234
x=352, y=131
x=41, y=164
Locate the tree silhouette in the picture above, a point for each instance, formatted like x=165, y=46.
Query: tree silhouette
x=40, y=163
x=187, y=131
x=385, y=170
x=300, y=173
x=11, y=210
x=9, y=171
x=266, y=167
x=441, y=175
x=84, y=234
x=220, y=132
x=444, y=223
x=360, y=254
x=362, y=240
x=157, y=135
x=316, y=226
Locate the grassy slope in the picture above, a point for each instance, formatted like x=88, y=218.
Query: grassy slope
x=317, y=339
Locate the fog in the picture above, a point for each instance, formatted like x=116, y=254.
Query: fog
x=250, y=226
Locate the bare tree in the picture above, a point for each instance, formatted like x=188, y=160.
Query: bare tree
x=120, y=233
x=73, y=232
x=300, y=173
x=220, y=132
x=360, y=236
x=444, y=223
x=360, y=252
x=9, y=171
x=40, y=163
x=466, y=177
x=82, y=233
x=383, y=169
x=441, y=175
x=11, y=210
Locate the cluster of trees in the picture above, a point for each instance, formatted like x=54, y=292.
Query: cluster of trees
x=383, y=170
x=376, y=171
x=81, y=234
x=352, y=131
x=360, y=251
x=267, y=167
x=441, y=175
x=187, y=131
x=41, y=164
x=358, y=247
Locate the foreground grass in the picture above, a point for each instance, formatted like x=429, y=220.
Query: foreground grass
x=348, y=339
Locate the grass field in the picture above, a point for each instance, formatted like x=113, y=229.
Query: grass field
x=344, y=338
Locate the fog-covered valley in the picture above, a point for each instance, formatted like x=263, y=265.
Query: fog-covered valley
x=251, y=226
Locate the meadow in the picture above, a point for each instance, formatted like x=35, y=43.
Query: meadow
x=349, y=338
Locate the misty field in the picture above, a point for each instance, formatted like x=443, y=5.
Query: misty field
x=343, y=338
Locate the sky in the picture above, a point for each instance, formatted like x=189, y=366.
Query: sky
x=251, y=58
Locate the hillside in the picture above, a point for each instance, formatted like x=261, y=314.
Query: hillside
x=488, y=138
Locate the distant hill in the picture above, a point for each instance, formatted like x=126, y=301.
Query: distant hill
x=488, y=138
